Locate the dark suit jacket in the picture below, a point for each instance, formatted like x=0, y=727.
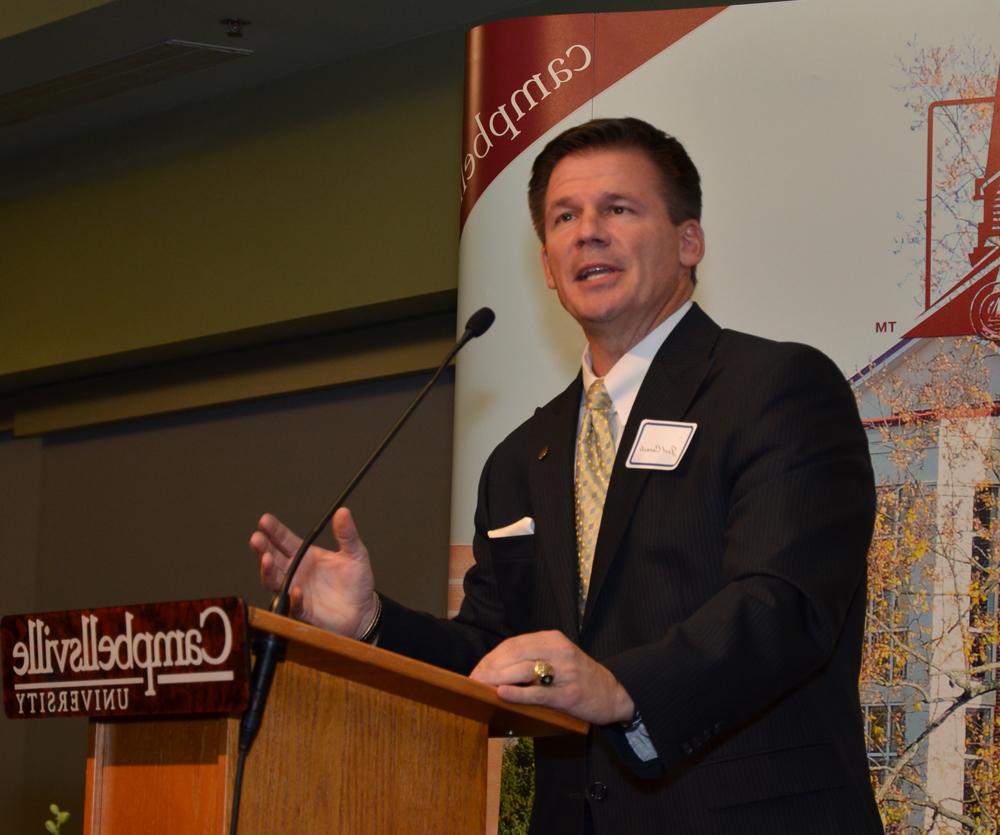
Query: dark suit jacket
x=727, y=596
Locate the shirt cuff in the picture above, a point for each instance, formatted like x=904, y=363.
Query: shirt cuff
x=639, y=741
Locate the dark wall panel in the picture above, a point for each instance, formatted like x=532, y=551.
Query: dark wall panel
x=20, y=480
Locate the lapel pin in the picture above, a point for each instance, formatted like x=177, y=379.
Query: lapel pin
x=543, y=452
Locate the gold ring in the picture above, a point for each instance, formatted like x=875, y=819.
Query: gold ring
x=544, y=675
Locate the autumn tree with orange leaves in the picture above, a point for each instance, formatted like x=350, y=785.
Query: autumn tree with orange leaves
x=929, y=671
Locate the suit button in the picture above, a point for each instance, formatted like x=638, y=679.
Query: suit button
x=597, y=790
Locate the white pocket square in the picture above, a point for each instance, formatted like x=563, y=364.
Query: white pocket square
x=522, y=527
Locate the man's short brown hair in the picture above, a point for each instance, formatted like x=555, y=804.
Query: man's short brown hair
x=679, y=177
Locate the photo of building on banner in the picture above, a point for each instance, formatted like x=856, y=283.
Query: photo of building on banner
x=850, y=159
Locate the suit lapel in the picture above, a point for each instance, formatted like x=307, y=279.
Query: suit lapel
x=667, y=392
x=551, y=485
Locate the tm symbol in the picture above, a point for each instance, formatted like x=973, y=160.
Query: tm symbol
x=885, y=327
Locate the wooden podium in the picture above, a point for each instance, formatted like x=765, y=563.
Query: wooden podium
x=355, y=739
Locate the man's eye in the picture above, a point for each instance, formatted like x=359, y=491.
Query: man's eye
x=564, y=217
x=618, y=210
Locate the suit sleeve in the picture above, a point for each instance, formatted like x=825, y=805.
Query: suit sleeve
x=800, y=515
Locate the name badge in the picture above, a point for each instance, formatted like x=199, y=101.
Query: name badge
x=660, y=445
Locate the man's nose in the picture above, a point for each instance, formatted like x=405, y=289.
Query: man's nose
x=591, y=228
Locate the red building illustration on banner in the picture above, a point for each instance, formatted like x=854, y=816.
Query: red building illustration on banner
x=972, y=304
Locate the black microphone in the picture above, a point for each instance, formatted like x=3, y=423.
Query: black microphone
x=272, y=646
x=479, y=322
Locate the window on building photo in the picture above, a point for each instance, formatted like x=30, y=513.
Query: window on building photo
x=885, y=735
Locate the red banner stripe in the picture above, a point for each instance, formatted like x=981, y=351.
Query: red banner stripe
x=524, y=76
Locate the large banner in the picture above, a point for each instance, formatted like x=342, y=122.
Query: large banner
x=850, y=159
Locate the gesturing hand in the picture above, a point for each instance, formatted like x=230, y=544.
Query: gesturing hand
x=580, y=687
x=332, y=589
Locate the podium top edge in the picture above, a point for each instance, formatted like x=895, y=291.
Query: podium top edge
x=387, y=670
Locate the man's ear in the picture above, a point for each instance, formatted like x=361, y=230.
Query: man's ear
x=550, y=282
x=692, y=243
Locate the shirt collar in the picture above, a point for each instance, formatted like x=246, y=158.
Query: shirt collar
x=626, y=375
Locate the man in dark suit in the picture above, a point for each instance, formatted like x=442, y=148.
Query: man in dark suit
x=672, y=549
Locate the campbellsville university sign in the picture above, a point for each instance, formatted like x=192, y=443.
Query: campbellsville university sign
x=159, y=658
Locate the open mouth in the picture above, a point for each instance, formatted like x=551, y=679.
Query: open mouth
x=594, y=271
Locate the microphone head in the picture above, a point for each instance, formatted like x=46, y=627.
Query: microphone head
x=479, y=322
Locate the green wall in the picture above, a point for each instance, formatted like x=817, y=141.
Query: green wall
x=282, y=208
x=21, y=15
x=317, y=203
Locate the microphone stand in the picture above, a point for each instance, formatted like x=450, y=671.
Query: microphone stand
x=272, y=647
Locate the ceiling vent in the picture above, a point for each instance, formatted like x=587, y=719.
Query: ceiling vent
x=140, y=69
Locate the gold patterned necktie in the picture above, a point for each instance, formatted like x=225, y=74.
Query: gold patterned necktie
x=595, y=453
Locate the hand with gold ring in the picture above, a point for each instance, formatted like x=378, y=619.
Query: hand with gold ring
x=523, y=670
x=544, y=675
